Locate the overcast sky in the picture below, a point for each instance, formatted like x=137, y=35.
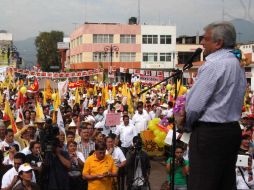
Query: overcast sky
x=26, y=18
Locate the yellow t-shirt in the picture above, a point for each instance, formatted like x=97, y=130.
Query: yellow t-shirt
x=93, y=166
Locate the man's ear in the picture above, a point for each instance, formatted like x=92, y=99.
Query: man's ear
x=219, y=44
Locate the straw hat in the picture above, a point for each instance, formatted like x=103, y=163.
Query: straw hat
x=72, y=124
x=39, y=120
x=18, y=120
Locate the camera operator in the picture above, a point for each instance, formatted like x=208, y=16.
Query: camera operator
x=35, y=159
x=181, y=169
x=244, y=175
x=138, y=167
x=8, y=141
x=56, y=161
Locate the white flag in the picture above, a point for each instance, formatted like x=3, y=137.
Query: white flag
x=62, y=88
x=59, y=121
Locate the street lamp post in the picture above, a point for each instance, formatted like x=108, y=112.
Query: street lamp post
x=111, y=49
x=99, y=55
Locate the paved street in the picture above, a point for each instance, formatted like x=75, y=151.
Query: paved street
x=158, y=173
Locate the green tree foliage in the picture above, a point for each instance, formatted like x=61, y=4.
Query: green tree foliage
x=47, y=53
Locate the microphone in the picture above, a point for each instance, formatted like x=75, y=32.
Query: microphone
x=188, y=64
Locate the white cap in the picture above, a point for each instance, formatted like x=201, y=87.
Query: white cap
x=25, y=167
x=164, y=105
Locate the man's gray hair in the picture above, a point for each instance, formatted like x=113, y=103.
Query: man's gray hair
x=223, y=31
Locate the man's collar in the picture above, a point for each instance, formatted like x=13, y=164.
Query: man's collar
x=217, y=53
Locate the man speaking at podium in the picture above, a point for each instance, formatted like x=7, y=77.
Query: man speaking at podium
x=213, y=109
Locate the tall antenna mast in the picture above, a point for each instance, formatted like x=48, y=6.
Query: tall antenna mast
x=138, y=11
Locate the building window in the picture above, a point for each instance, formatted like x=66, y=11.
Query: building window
x=127, y=56
x=103, y=38
x=165, y=39
x=150, y=57
x=165, y=57
x=150, y=39
x=127, y=39
x=100, y=57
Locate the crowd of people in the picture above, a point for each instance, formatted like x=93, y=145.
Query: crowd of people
x=85, y=154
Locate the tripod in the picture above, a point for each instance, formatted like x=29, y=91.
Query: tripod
x=140, y=181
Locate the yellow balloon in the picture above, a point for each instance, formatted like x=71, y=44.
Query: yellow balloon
x=119, y=89
x=156, y=120
x=157, y=140
x=152, y=126
x=156, y=132
x=168, y=87
x=162, y=135
x=95, y=77
x=161, y=144
x=53, y=96
x=23, y=89
x=158, y=87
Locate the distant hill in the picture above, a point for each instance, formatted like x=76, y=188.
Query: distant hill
x=244, y=29
x=27, y=51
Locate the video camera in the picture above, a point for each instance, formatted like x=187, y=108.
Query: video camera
x=49, y=140
x=137, y=143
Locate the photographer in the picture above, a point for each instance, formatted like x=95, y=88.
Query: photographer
x=244, y=175
x=56, y=161
x=138, y=167
x=181, y=169
x=77, y=163
x=8, y=141
x=35, y=159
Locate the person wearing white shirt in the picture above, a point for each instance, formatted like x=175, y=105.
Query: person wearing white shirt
x=140, y=119
x=152, y=113
x=125, y=133
x=119, y=158
x=9, y=140
x=9, y=159
x=10, y=178
x=77, y=163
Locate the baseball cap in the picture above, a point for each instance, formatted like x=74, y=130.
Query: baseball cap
x=25, y=167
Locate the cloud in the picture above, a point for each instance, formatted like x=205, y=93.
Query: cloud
x=26, y=18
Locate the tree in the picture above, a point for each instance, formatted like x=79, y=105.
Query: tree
x=47, y=53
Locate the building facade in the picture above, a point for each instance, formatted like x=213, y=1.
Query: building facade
x=126, y=46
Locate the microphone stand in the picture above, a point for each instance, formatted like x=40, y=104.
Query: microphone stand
x=177, y=75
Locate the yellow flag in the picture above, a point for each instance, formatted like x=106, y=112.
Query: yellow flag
x=39, y=111
x=130, y=103
x=57, y=101
x=114, y=92
x=54, y=117
x=103, y=101
x=77, y=96
x=106, y=93
x=1, y=98
x=48, y=89
x=94, y=90
x=7, y=111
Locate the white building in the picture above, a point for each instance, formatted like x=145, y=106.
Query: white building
x=158, y=47
x=248, y=51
